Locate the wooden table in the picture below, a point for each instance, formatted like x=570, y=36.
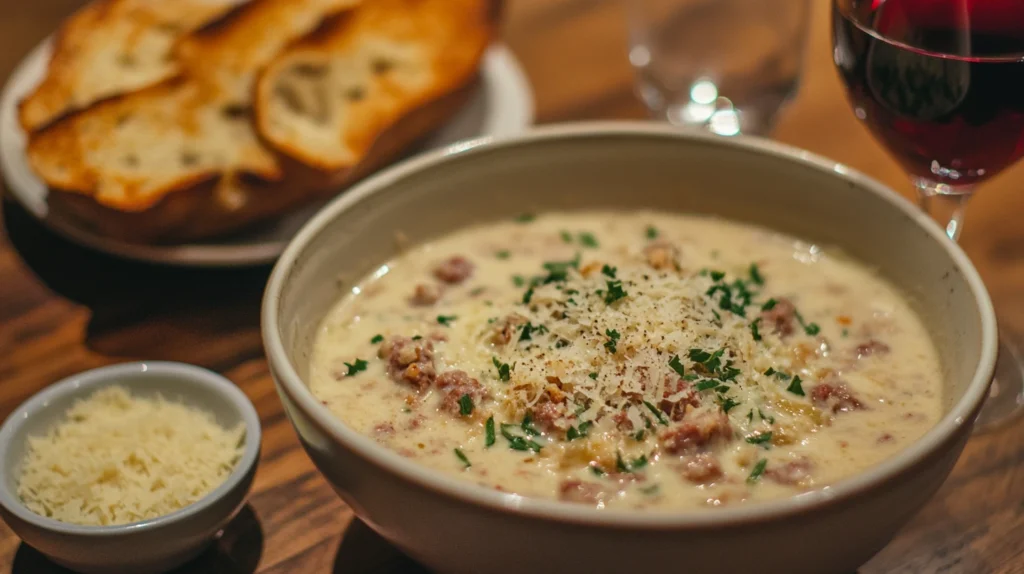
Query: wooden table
x=64, y=309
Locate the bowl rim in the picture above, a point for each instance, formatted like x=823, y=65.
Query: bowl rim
x=81, y=384
x=960, y=415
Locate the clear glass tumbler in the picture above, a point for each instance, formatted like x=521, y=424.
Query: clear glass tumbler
x=728, y=65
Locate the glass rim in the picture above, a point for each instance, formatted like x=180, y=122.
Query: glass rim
x=1007, y=58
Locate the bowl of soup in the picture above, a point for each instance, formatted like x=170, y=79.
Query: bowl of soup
x=617, y=346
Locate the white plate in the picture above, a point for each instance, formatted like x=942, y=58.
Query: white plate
x=502, y=105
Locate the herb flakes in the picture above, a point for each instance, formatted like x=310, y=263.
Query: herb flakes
x=795, y=387
x=758, y=470
x=465, y=405
x=504, y=369
x=614, y=293
x=358, y=366
x=462, y=456
x=489, y=438
x=613, y=339
x=676, y=365
x=516, y=442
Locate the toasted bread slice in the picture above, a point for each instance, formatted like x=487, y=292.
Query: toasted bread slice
x=114, y=47
x=190, y=137
x=370, y=81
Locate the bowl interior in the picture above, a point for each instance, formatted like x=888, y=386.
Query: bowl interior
x=747, y=181
x=176, y=382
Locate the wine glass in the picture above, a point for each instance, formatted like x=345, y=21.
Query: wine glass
x=940, y=84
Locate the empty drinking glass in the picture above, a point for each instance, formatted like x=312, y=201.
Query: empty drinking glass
x=728, y=65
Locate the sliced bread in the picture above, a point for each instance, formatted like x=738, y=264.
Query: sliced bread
x=371, y=81
x=180, y=160
x=112, y=47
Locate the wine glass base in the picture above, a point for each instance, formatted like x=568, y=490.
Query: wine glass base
x=1006, y=395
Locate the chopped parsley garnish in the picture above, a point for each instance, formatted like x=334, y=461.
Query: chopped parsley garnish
x=614, y=292
x=597, y=470
x=529, y=330
x=562, y=343
x=462, y=456
x=527, y=296
x=769, y=418
x=639, y=435
x=417, y=337
x=525, y=217
x=465, y=405
x=657, y=413
x=587, y=239
x=651, y=232
x=632, y=466
x=446, y=320
x=769, y=305
x=758, y=471
x=566, y=236
x=795, y=387
x=676, y=365
x=578, y=431
x=710, y=361
x=504, y=370
x=809, y=328
x=728, y=404
x=559, y=270
x=845, y=333
x=754, y=329
x=516, y=442
x=609, y=271
x=503, y=254
x=489, y=438
x=593, y=376
x=717, y=275
x=760, y=438
x=377, y=339
x=707, y=384
x=356, y=367
x=518, y=280
x=755, y=275
x=613, y=339
x=777, y=374
x=728, y=372
x=527, y=424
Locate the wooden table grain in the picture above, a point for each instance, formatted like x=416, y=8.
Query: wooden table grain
x=64, y=309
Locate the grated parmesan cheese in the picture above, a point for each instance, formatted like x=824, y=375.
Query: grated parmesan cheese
x=664, y=314
x=118, y=458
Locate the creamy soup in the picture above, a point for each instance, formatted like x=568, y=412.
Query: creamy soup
x=636, y=360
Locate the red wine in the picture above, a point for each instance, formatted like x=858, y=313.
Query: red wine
x=939, y=82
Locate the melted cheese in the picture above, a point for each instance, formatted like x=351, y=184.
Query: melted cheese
x=620, y=331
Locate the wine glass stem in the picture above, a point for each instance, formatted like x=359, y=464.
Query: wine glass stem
x=945, y=203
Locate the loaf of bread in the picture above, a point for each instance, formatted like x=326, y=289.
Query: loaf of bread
x=112, y=47
x=180, y=160
x=274, y=104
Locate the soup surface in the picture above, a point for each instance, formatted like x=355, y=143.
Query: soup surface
x=634, y=360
